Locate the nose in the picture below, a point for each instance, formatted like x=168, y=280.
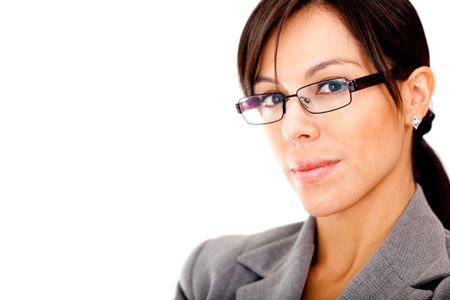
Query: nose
x=298, y=126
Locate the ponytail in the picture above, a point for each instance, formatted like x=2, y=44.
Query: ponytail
x=430, y=174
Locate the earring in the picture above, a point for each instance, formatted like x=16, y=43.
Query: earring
x=415, y=122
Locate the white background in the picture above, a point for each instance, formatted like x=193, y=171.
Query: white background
x=120, y=149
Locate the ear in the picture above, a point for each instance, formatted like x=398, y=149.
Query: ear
x=416, y=94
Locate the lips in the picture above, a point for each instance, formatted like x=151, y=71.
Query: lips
x=311, y=171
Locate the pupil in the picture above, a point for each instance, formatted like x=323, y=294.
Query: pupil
x=335, y=86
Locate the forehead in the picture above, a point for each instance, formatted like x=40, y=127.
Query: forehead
x=312, y=35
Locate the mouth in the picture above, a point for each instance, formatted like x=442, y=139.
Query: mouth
x=312, y=171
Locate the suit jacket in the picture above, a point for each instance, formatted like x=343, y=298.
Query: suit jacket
x=412, y=263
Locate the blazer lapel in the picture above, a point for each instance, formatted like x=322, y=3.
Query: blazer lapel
x=413, y=256
x=283, y=266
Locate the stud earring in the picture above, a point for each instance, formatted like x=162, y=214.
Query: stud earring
x=415, y=122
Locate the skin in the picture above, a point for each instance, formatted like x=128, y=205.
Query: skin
x=357, y=203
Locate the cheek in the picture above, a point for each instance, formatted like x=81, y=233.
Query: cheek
x=276, y=140
x=370, y=137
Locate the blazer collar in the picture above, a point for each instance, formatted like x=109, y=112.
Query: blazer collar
x=413, y=254
x=281, y=264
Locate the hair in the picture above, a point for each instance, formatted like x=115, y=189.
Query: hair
x=391, y=34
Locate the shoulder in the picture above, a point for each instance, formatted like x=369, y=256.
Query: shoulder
x=447, y=240
x=211, y=265
x=442, y=290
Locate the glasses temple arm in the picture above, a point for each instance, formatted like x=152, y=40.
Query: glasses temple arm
x=238, y=108
x=365, y=82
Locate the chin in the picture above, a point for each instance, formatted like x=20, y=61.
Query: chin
x=323, y=205
x=320, y=211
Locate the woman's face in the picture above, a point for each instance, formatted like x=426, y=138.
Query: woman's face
x=336, y=159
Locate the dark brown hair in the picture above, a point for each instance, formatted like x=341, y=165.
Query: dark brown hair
x=391, y=34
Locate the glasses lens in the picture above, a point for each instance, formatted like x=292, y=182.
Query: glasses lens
x=262, y=109
x=325, y=96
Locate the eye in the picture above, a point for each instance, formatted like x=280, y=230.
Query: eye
x=272, y=99
x=331, y=86
x=250, y=103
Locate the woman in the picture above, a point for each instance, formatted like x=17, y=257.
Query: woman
x=343, y=89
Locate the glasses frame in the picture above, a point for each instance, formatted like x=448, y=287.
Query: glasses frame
x=353, y=86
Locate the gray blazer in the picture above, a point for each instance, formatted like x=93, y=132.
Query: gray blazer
x=412, y=263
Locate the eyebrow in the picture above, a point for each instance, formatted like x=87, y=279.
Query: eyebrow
x=314, y=69
x=325, y=64
x=264, y=79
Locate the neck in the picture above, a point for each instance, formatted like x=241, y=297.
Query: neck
x=346, y=240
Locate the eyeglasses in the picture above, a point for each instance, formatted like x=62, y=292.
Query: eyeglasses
x=317, y=98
